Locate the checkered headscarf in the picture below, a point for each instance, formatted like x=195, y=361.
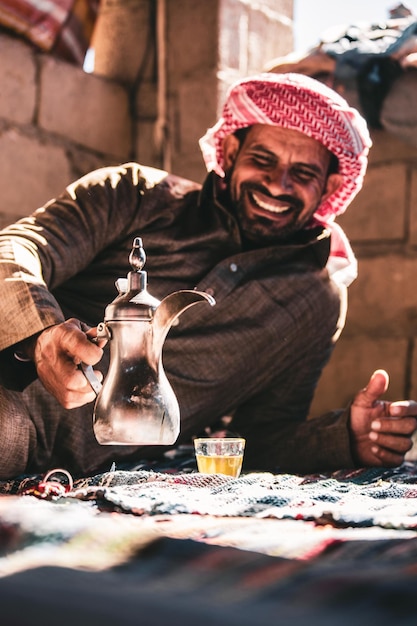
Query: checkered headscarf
x=301, y=103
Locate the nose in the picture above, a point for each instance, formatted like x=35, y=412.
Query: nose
x=279, y=180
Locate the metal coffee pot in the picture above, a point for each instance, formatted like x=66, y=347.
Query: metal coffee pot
x=136, y=404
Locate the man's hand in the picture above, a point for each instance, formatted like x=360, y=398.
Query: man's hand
x=57, y=353
x=381, y=431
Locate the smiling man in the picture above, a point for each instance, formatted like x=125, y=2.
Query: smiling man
x=286, y=157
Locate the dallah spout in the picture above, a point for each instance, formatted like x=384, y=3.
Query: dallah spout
x=171, y=307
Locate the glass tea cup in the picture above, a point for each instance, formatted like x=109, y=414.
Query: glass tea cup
x=219, y=455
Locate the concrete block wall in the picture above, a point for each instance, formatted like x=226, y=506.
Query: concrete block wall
x=56, y=123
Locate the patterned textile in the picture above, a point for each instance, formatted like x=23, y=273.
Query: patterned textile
x=352, y=499
x=63, y=25
x=356, y=498
x=123, y=544
x=317, y=550
x=282, y=515
x=40, y=23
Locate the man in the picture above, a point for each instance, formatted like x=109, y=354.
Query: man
x=287, y=155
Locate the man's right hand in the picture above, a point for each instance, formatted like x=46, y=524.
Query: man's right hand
x=57, y=353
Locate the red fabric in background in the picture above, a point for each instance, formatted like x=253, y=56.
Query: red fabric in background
x=62, y=27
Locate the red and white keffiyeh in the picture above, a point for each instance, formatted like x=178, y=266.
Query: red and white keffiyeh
x=301, y=103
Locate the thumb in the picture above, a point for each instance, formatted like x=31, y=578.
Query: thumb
x=376, y=387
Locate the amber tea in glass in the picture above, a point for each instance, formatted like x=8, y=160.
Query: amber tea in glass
x=219, y=455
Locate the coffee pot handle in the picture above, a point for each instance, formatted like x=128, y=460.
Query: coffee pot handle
x=88, y=372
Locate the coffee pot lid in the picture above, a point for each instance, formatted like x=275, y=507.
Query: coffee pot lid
x=134, y=299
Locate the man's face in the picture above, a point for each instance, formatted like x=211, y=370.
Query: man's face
x=277, y=178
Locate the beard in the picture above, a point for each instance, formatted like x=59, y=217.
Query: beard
x=262, y=229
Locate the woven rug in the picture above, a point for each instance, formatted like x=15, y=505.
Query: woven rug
x=282, y=515
x=319, y=549
x=356, y=498
x=362, y=498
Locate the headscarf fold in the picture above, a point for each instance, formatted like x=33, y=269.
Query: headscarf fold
x=301, y=103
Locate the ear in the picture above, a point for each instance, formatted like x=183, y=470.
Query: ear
x=231, y=147
x=333, y=183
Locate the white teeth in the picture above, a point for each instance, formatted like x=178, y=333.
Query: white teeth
x=269, y=207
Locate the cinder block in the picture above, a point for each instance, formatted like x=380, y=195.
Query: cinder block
x=353, y=361
x=413, y=373
x=413, y=207
x=43, y=173
x=192, y=38
x=146, y=106
x=270, y=36
x=389, y=148
x=123, y=40
x=251, y=34
x=378, y=212
x=398, y=114
x=18, y=81
x=383, y=300
x=83, y=161
x=234, y=36
x=91, y=111
x=146, y=150
x=195, y=110
x=189, y=166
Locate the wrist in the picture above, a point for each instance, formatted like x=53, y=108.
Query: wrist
x=25, y=350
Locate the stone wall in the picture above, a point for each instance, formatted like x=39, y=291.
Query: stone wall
x=56, y=123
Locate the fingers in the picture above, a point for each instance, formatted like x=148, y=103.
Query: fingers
x=388, y=426
x=91, y=333
x=384, y=457
x=77, y=391
x=393, y=434
x=389, y=449
x=379, y=448
x=381, y=432
x=66, y=382
x=395, y=443
x=409, y=61
x=58, y=352
x=402, y=408
x=391, y=439
x=75, y=341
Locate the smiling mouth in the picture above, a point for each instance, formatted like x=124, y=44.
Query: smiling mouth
x=271, y=205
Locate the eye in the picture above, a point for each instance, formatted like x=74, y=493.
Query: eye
x=303, y=174
x=262, y=160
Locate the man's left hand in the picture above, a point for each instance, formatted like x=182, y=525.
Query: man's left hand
x=381, y=432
